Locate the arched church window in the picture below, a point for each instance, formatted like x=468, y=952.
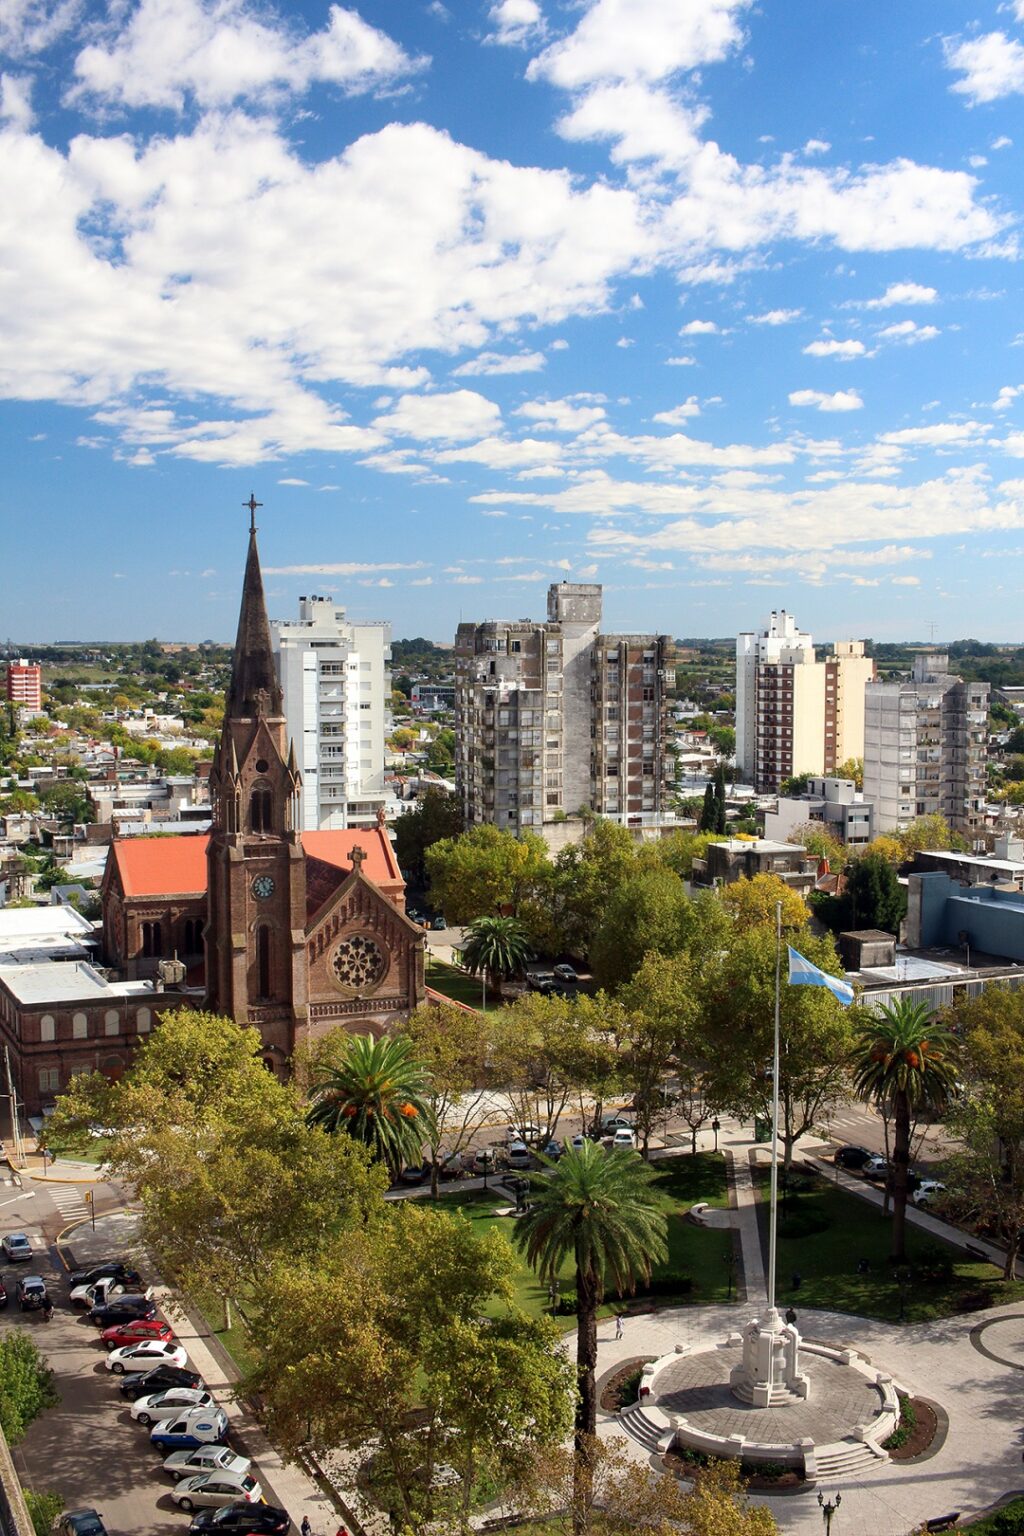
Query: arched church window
x=152, y=937
x=193, y=935
x=261, y=811
x=263, y=960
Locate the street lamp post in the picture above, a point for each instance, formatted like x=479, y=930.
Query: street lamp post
x=828, y=1510
x=554, y=1287
x=716, y=1126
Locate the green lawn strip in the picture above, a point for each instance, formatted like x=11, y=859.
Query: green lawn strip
x=826, y=1232
x=235, y=1340
x=698, y=1255
x=453, y=983
x=1006, y=1521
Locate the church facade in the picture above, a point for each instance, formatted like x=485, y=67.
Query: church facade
x=293, y=933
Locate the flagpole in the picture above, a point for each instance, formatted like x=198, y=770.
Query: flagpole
x=774, y=1198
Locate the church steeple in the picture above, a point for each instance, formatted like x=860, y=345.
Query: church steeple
x=254, y=689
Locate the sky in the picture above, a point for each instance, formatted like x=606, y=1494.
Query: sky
x=713, y=302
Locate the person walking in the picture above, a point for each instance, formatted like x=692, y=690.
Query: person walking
x=618, y=1325
x=306, y=1528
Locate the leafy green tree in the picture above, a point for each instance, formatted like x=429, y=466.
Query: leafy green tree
x=751, y=902
x=436, y=815
x=813, y=836
x=68, y=802
x=403, y=1335
x=903, y=1059
x=26, y=1385
x=378, y=1093
x=720, y=819
x=584, y=877
x=44, y=1511
x=452, y=1044
x=647, y=912
x=709, y=812
x=678, y=851
x=738, y=1004
x=540, y=1055
x=930, y=832
x=872, y=898
x=852, y=768
x=441, y=751
x=18, y=802
x=598, y=1209
x=227, y=1172
x=496, y=948
x=485, y=870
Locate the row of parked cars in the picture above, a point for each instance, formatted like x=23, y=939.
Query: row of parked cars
x=877, y=1169
x=214, y=1483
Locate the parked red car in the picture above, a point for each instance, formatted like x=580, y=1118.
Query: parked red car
x=135, y=1332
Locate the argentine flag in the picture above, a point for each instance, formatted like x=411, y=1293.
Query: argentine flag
x=803, y=974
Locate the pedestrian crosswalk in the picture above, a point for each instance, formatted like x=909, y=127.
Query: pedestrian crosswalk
x=68, y=1198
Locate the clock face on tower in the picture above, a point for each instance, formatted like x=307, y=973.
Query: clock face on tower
x=263, y=887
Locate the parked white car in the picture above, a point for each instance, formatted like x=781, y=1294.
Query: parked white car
x=142, y=1357
x=205, y=1458
x=216, y=1488
x=97, y=1294
x=160, y=1405
x=927, y=1192
x=519, y=1155
x=624, y=1136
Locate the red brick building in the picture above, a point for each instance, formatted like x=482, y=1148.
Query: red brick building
x=293, y=933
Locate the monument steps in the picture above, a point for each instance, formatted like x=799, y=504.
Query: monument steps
x=640, y=1428
x=845, y=1458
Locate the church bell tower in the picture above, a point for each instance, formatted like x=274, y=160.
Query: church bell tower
x=256, y=916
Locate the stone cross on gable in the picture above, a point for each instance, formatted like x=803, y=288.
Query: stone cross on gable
x=356, y=858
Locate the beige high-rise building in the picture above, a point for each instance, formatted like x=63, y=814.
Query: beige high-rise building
x=794, y=713
x=551, y=717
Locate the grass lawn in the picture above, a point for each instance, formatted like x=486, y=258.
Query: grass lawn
x=453, y=983
x=1003, y=1521
x=234, y=1339
x=840, y=1229
x=696, y=1254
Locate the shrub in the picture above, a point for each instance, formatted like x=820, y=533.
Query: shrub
x=803, y=1223
x=44, y=1509
x=26, y=1385
x=1009, y=1521
x=907, y=1422
x=567, y=1304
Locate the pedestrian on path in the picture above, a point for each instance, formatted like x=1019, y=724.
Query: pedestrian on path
x=618, y=1325
x=306, y=1528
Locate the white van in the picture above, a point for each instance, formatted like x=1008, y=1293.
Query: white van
x=519, y=1155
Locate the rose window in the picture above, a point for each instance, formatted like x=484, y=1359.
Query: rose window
x=358, y=962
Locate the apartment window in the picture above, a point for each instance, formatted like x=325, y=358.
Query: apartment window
x=142, y=1021
x=648, y=695
x=47, y=1028
x=515, y=646
x=79, y=1027
x=112, y=1022
x=49, y=1079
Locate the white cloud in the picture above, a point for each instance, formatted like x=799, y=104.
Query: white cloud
x=16, y=100
x=466, y=581
x=908, y=331
x=699, y=328
x=905, y=581
x=841, y=400
x=29, y=26
x=218, y=51
x=500, y=362
x=776, y=317
x=903, y=293
x=817, y=147
x=516, y=21
x=292, y=480
x=502, y=453
x=345, y=568
x=1002, y=142
x=641, y=40
x=992, y=66
x=561, y=415
x=625, y=341
x=680, y=362
x=830, y=347
x=941, y=434
x=462, y=413
x=1007, y=395
x=679, y=413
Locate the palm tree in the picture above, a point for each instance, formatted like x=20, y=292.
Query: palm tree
x=497, y=947
x=377, y=1092
x=903, y=1060
x=598, y=1208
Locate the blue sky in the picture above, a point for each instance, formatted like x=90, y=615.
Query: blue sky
x=715, y=303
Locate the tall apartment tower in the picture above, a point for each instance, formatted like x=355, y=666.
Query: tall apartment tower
x=554, y=716
x=336, y=686
x=924, y=747
x=25, y=684
x=794, y=713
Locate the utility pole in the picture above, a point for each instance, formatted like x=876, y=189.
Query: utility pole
x=19, y=1153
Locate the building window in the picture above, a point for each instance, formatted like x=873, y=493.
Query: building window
x=112, y=1022
x=49, y=1079
x=142, y=1019
x=193, y=935
x=79, y=1027
x=263, y=960
x=261, y=811
x=47, y=1028
x=151, y=940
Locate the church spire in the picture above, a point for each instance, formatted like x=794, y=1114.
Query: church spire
x=254, y=688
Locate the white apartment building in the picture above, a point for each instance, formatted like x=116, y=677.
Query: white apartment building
x=924, y=747
x=555, y=716
x=794, y=713
x=337, y=701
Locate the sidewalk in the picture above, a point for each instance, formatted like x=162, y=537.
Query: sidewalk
x=289, y=1485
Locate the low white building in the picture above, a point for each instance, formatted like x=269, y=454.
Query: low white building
x=836, y=803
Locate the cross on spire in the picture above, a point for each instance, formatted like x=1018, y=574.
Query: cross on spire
x=356, y=857
x=252, y=504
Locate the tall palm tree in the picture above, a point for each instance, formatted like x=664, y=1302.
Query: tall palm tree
x=903, y=1060
x=377, y=1092
x=498, y=947
x=598, y=1208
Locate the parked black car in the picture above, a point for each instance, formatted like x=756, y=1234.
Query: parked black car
x=81, y=1522
x=158, y=1380
x=119, y=1269
x=242, y=1520
x=32, y=1295
x=124, y=1309
x=852, y=1157
x=3, y=1294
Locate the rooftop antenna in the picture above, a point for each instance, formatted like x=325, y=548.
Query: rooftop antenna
x=931, y=632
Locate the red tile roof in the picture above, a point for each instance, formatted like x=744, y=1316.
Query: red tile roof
x=176, y=866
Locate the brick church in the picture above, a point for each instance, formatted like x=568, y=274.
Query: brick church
x=294, y=933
